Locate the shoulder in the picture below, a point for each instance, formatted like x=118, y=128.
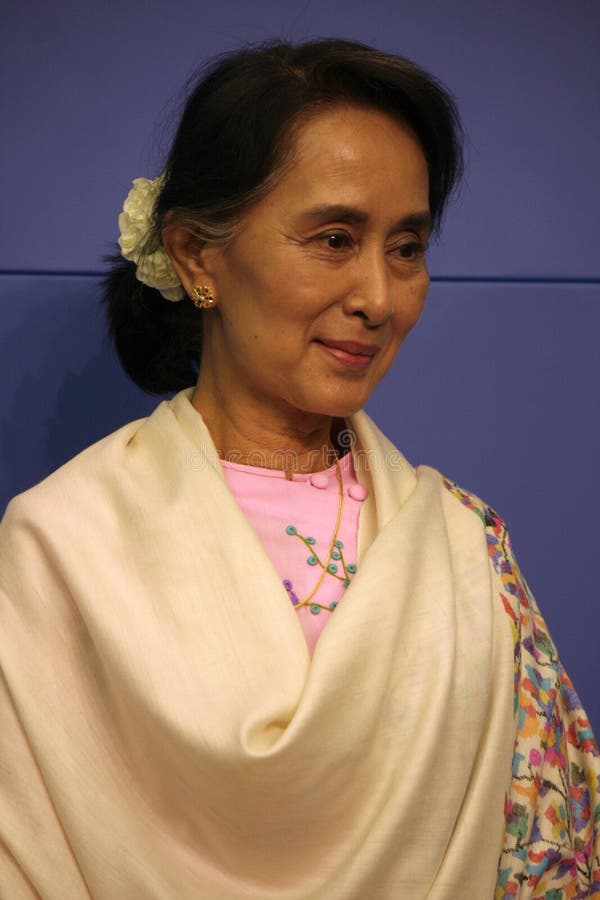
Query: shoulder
x=67, y=486
x=496, y=530
x=511, y=586
x=454, y=494
x=113, y=488
x=72, y=522
x=489, y=517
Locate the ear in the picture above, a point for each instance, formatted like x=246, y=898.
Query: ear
x=186, y=253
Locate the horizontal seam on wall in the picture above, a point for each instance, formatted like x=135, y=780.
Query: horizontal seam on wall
x=435, y=279
x=510, y=279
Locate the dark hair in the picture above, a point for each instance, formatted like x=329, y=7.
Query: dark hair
x=231, y=147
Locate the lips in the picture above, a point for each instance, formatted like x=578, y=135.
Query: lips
x=350, y=354
x=351, y=347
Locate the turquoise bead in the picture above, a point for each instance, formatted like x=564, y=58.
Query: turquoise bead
x=315, y=609
x=336, y=554
x=334, y=604
x=332, y=568
x=351, y=568
x=346, y=583
x=291, y=529
x=312, y=560
x=339, y=545
x=309, y=540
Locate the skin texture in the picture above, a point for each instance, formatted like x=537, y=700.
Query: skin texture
x=289, y=280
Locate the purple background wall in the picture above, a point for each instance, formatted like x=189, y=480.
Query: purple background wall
x=498, y=385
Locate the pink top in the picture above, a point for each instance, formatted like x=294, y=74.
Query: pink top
x=296, y=522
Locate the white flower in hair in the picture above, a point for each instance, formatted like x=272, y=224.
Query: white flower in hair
x=135, y=222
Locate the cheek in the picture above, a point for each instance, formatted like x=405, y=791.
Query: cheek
x=409, y=312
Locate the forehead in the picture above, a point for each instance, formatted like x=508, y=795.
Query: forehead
x=354, y=156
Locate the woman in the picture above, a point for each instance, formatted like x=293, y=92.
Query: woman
x=248, y=649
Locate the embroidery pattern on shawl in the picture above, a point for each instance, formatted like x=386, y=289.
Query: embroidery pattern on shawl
x=551, y=845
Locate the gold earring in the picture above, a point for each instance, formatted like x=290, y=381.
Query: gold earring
x=203, y=297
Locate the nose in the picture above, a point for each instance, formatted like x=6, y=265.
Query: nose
x=370, y=295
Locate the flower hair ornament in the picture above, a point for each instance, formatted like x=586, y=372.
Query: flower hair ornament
x=153, y=267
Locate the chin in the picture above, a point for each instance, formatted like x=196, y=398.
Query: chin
x=338, y=407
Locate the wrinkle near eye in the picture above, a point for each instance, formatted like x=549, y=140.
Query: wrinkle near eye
x=296, y=239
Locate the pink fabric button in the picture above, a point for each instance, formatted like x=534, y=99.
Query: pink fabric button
x=358, y=492
x=319, y=480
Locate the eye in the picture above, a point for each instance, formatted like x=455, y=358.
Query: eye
x=336, y=240
x=412, y=250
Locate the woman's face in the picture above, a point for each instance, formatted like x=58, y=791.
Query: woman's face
x=327, y=276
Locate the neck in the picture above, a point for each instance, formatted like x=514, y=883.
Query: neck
x=289, y=440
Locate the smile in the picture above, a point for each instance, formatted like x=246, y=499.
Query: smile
x=351, y=354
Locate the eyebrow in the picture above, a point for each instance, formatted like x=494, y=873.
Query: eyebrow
x=353, y=216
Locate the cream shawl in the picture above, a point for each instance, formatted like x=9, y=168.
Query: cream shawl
x=164, y=734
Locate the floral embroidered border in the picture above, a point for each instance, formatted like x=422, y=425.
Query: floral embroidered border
x=551, y=846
